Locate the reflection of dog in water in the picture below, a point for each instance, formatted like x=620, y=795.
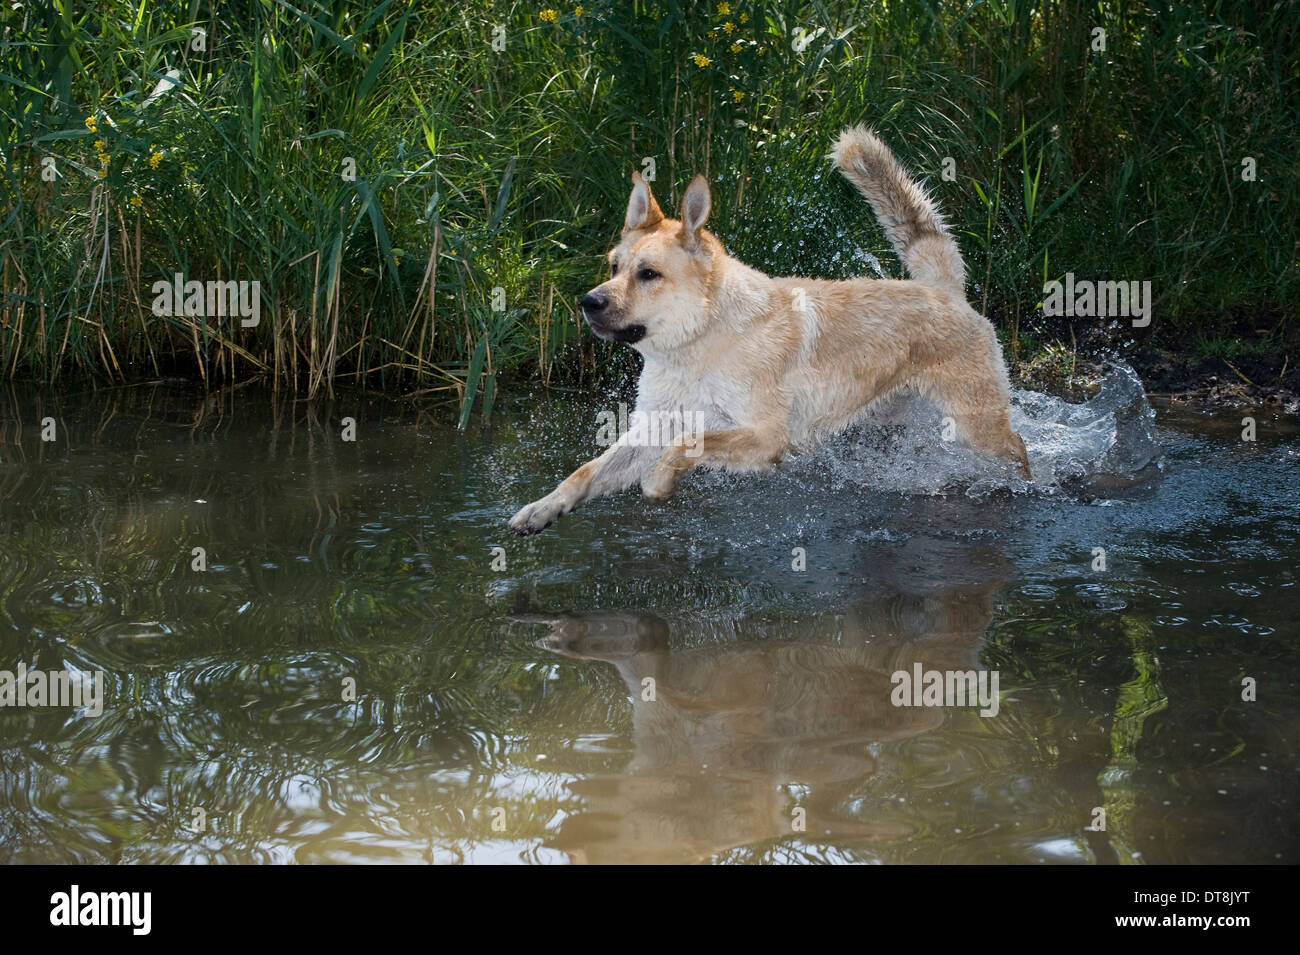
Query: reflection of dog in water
x=732, y=723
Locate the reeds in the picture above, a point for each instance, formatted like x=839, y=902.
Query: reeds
x=420, y=209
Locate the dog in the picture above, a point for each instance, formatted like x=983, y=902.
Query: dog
x=772, y=365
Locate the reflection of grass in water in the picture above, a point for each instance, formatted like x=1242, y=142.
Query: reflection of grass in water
x=1138, y=699
x=240, y=706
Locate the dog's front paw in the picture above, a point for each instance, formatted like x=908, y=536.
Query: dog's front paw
x=660, y=483
x=536, y=517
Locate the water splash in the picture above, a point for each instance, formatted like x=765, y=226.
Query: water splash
x=1112, y=435
x=1102, y=443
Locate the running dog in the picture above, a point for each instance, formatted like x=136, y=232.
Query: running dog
x=771, y=365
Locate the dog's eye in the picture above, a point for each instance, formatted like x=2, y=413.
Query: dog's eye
x=645, y=275
x=613, y=269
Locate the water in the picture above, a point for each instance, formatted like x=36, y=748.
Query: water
x=351, y=680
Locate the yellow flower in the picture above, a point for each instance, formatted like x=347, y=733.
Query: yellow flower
x=744, y=18
x=737, y=95
x=713, y=34
x=103, y=174
x=155, y=159
x=579, y=10
x=99, y=145
x=103, y=159
x=724, y=9
x=135, y=201
x=729, y=27
x=736, y=47
x=90, y=124
x=549, y=15
x=701, y=60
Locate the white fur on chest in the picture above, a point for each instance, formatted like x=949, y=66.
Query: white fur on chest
x=711, y=402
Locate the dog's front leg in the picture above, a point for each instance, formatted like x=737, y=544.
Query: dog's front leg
x=744, y=449
x=617, y=469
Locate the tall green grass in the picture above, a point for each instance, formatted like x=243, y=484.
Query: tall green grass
x=479, y=169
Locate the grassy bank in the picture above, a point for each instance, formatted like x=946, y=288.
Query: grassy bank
x=421, y=209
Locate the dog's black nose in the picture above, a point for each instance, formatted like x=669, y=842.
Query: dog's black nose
x=593, y=302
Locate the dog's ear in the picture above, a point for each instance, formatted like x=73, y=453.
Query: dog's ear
x=642, y=210
x=695, y=211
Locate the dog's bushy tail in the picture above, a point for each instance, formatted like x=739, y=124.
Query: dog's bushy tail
x=906, y=213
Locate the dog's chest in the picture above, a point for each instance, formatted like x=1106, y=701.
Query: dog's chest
x=713, y=401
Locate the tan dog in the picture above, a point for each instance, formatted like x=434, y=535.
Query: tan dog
x=772, y=364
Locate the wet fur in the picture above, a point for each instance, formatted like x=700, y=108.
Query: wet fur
x=774, y=364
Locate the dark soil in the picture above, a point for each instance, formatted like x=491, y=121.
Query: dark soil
x=1264, y=372
x=1244, y=381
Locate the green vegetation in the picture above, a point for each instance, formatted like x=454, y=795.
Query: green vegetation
x=478, y=169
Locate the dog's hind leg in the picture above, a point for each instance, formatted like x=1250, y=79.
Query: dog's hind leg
x=977, y=402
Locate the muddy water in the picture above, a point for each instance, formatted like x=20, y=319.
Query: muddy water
x=349, y=672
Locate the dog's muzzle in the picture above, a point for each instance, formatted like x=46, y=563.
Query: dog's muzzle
x=594, y=306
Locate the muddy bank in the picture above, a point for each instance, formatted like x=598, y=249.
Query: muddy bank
x=1202, y=383
x=1221, y=383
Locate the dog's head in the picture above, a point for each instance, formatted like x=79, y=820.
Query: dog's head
x=658, y=292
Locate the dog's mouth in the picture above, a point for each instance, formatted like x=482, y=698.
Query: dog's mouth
x=627, y=333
